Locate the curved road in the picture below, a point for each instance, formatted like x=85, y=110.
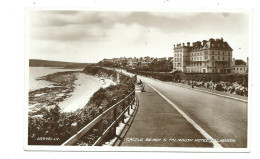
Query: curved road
x=222, y=118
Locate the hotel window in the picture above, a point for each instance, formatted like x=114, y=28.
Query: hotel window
x=213, y=64
x=218, y=57
x=212, y=52
x=200, y=53
x=228, y=58
x=218, y=53
x=240, y=69
x=223, y=58
x=212, y=57
x=206, y=57
x=200, y=58
x=228, y=53
x=223, y=53
x=234, y=68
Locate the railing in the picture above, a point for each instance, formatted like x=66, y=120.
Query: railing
x=75, y=136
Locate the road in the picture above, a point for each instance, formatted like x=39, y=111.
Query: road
x=220, y=117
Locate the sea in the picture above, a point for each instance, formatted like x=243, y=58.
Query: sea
x=85, y=86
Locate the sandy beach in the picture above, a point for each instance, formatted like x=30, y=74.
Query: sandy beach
x=69, y=90
x=85, y=87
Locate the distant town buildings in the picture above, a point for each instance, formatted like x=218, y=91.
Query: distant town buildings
x=130, y=62
x=208, y=56
x=134, y=62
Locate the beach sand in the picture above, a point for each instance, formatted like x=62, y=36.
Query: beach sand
x=85, y=87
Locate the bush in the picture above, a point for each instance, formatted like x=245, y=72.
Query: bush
x=219, y=87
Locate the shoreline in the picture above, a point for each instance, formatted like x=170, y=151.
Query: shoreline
x=80, y=97
x=67, y=89
x=38, y=72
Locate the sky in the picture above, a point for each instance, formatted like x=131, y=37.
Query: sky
x=90, y=36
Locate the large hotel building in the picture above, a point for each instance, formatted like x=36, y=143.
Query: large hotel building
x=212, y=56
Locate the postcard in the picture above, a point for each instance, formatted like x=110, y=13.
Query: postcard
x=137, y=80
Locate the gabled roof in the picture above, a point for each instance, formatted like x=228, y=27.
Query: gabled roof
x=217, y=44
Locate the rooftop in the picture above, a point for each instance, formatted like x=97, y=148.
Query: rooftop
x=206, y=44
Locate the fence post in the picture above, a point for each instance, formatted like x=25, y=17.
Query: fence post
x=128, y=102
x=123, y=108
x=73, y=128
x=114, y=118
x=133, y=97
x=100, y=124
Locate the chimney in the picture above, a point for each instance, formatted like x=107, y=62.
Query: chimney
x=204, y=42
x=233, y=61
x=183, y=44
x=188, y=44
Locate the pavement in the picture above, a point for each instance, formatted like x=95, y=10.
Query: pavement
x=156, y=123
x=212, y=91
x=174, y=116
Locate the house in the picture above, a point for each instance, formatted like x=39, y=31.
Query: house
x=208, y=56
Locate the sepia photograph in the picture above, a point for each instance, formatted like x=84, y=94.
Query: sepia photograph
x=173, y=80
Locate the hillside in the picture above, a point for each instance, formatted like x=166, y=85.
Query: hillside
x=47, y=63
